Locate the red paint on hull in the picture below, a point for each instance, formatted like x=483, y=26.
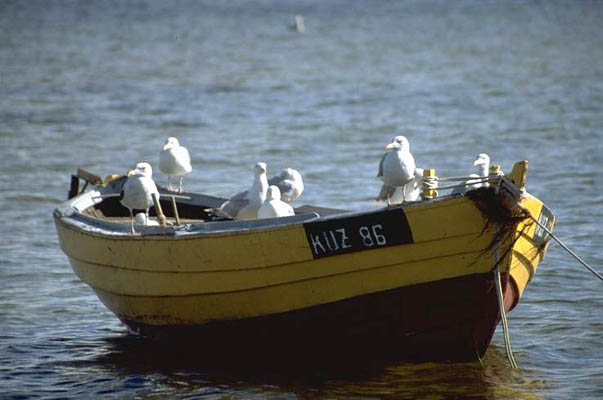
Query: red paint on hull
x=452, y=319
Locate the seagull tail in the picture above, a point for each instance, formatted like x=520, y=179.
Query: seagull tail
x=385, y=193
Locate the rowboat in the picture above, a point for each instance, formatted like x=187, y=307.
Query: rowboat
x=418, y=278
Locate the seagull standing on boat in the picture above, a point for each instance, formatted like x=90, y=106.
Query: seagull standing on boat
x=138, y=191
x=245, y=205
x=397, y=166
x=273, y=206
x=412, y=189
x=482, y=163
x=290, y=184
x=174, y=160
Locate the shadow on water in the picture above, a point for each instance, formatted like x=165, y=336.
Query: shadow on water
x=189, y=368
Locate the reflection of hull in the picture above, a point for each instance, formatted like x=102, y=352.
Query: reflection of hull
x=418, y=277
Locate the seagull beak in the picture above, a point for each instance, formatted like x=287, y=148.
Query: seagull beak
x=477, y=162
x=130, y=172
x=390, y=146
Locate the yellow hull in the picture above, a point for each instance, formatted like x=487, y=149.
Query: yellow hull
x=163, y=280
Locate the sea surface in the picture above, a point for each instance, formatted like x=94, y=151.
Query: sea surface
x=100, y=85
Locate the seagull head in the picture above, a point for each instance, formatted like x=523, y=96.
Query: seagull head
x=398, y=143
x=260, y=168
x=170, y=143
x=273, y=193
x=482, y=159
x=142, y=169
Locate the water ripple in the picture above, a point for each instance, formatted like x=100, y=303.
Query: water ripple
x=100, y=86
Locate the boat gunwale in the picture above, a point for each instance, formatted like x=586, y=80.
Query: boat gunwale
x=70, y=215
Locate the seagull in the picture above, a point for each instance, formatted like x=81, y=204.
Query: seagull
x=144, y=220
x=482, y=162
x=414, y=188
x=298, y=25
x=273, y=206
x=174, y=160
x=138, y=191
x=397, y=166
x=245, y=205
x=290, y=184
x=394, y=194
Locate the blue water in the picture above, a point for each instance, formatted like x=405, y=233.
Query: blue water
x=101, y=84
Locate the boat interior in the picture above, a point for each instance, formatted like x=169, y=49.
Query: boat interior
x=178, y=208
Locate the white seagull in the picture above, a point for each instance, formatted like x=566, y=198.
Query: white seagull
x=413, y=190
x=138, y=191
x=273, y=206
x=245, y=205
x=174, y=160
x=482, y=163
x=290, y=184
x=397, y=166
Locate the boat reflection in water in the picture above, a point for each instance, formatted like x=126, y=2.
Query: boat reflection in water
x=179, y=368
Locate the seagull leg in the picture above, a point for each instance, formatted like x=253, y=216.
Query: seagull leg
x=180, y=188
x=404, y=194
x=132, y=222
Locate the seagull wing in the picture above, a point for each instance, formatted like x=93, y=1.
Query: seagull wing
x=285, y=186
x=184, y=159
x=380, y=173
x=275, y=181
x=232, y=207
x=386, y=192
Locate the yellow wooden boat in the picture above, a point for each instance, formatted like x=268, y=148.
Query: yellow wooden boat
x=418, y=278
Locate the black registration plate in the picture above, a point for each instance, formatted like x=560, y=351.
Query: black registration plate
x=358, y=232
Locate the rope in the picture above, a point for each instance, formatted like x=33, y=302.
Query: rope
x=503, y=318
x=503, y=314
x=433, y=181
x=591, y=269
x=461, y=184
x=461, y=178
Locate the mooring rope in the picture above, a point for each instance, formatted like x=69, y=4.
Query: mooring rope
x=591, y=269
x=503, y=314
x=462, y=178
x=433, y=181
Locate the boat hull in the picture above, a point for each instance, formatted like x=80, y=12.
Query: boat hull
x=451, y=319
x=417, y=279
